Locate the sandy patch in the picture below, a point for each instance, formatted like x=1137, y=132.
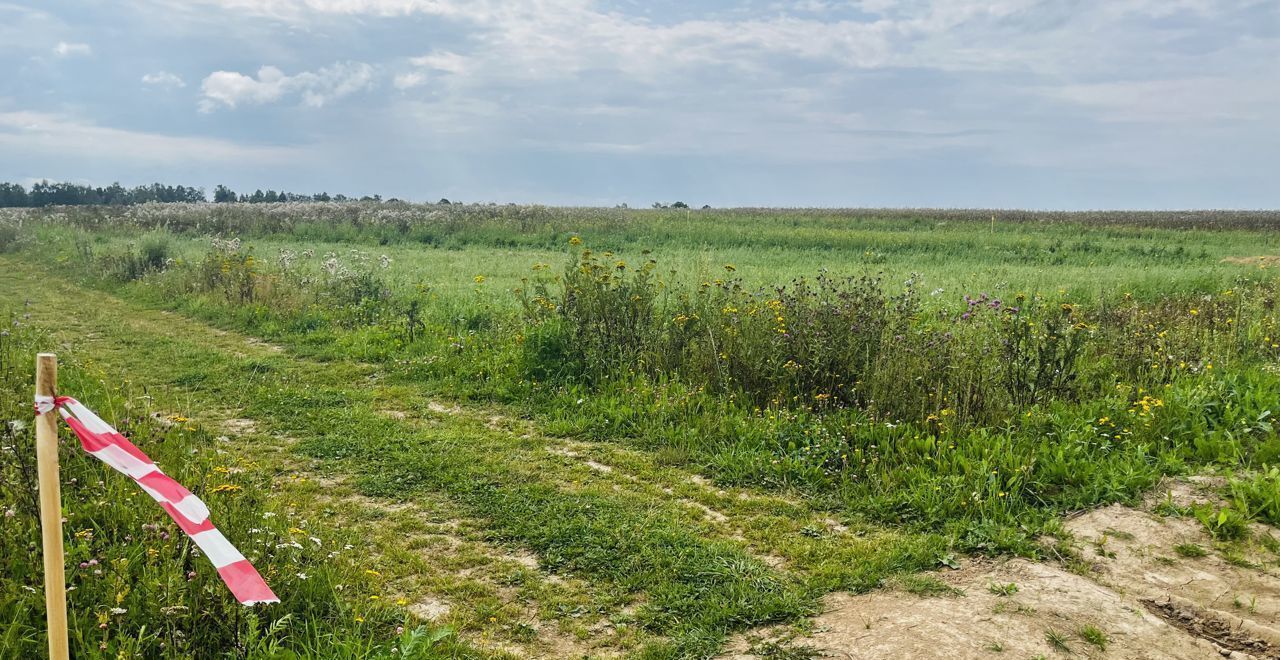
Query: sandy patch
x=1157, y=587
x=239, y=426
x=441, y=409
x=983, y=624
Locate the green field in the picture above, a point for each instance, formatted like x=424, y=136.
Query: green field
x=615, y=432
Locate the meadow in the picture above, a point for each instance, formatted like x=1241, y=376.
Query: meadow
x=687, y=422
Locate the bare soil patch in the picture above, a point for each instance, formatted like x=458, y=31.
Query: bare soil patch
x=239, y=426
x=1157, y=587
x=441, y=409
x=981, y=623
x=1143, y=556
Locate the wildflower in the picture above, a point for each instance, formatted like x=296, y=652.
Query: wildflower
x=730, y=267
x=119, y=610
x=479, y=279
x=226, y=488
x=574, y=240
x=372, y=573
x=402, y=601
x=1194, y=311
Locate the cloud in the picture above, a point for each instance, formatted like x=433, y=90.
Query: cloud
x=435, y=63
x=29, y=132
x=409, y=80
x=1187, y=100
x=441, y=61
x=64, y=49
x=1107, y=88
x=163, y=79
x=231, y=89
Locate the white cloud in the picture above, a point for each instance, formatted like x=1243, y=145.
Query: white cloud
x=1194, y=100
x=65, y=49
x=163, y=79
x=409, y=80
x=231, y=89
x=445, y=61
x=27, y=132
x=785, y=81
x=434, y=64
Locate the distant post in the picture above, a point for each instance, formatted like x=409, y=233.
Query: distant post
x=55, y=581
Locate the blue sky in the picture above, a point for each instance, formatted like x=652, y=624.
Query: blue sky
x=1070, y=104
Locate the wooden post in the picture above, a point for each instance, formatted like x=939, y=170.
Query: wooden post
x=55, y=581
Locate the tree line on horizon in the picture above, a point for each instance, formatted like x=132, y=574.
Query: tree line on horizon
x=45, y=193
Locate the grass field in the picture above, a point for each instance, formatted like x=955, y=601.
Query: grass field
x=607, y=432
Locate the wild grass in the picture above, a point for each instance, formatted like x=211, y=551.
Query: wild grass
x=953, y=378
x=978, y=415
x=1094, y=635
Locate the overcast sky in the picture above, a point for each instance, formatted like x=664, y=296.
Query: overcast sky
x=1011, y=103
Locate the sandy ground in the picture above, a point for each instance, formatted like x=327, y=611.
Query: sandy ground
x=1129, y=581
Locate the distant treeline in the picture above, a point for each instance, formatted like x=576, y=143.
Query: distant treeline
x=72, y=194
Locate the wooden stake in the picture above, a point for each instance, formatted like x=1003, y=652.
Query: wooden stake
x=55, y=581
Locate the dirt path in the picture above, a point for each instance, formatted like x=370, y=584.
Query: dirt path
x=616, y=527
x=440, y=560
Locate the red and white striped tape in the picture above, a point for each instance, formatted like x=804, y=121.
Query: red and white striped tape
x=108, y=445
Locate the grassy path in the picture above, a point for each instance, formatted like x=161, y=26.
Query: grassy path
x=536, y=544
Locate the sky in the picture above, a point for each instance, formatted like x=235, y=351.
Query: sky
x=1043, y=104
